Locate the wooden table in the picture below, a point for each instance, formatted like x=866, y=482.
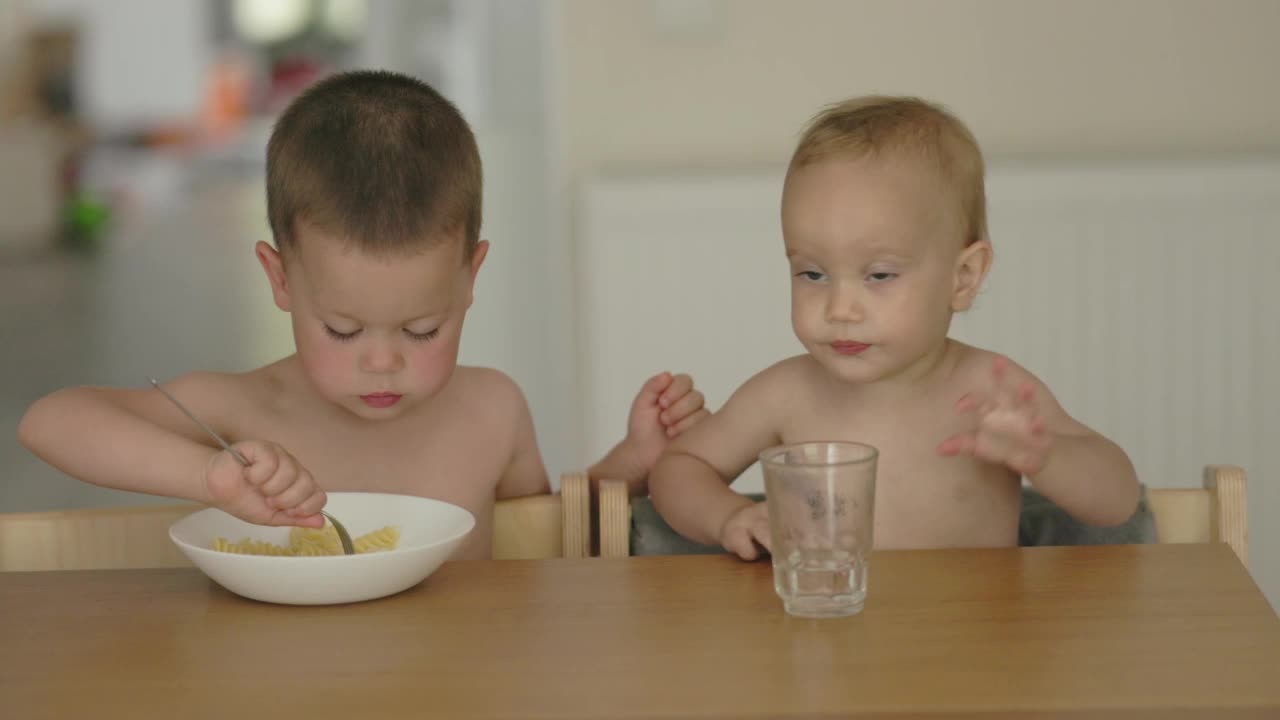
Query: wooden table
x=1126, y=631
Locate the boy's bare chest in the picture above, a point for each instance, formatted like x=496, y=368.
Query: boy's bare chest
x=446, y=461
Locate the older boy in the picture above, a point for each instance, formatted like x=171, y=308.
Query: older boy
x=374, y=199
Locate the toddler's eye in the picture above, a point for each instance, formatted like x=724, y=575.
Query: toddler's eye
x=339, y=336
x=421, y=337
x=880, y=277
x=812, y=275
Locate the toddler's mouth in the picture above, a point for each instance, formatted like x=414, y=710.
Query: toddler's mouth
x=849, y=347
x=380, y=400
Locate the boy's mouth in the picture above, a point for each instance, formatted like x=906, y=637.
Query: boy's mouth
x=380, y=400
x=849, y=347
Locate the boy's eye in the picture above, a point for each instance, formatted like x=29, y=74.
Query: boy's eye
x=339, y=336
x=879, y=277
x=813, y=275
x=421, y=337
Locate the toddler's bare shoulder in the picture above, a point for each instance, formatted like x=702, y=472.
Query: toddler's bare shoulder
x=487, y=390
x=784, y=379
x=215, y=389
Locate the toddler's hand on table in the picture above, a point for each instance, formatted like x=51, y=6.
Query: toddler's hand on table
x=746, y=531
x=273, y=489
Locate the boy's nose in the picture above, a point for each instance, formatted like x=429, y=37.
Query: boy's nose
x=844, y=305
x=381, y=359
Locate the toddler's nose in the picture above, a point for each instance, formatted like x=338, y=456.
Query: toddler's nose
x=381, y=360
x=844, y=305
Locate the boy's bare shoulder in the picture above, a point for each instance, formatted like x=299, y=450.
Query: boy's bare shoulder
x=776, y=391
x=486, y=390
x=781, y=381
x=975, y=368
x=226, y=395
x=972, y=362
x=210, y=389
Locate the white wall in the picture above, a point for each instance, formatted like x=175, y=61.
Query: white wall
x=1030, y=76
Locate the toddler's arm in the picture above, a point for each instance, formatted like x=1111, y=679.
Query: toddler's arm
x=136, y=440
x=666, y=406
x=525, y=474
x=690, y=484
x=131, y=440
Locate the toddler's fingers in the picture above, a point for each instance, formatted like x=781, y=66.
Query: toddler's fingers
x=1026, y=393
x=970, y=402
x=308, y=521
x=653, y=388
x=262, y=467
x=285, y=476
x=680, y=386
x=302, y=488
x=762, y=537
x=1007, y=398
x=999, y=368
x=280, y=518
x=312, y=505
x=739, y=543
x=682, y=407
x=687, y=423
x=962, y=444
x=1037, y=426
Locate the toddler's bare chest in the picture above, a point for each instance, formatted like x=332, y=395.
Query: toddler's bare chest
x=443, y=465
x=924, y=499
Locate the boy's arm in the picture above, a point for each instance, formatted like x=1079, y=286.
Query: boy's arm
x=131, y=440
x=666, y=406
x=1090, y=477
x=525, y=474
x=1021, y=425
x=690, y=484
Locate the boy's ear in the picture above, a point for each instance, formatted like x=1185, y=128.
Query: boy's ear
x=477, y=259
x=971, y=269
x=273, y=266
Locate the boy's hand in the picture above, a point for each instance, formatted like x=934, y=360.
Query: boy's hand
x=1009, y=430
x=746, y=529
x=666, y=406
x=273, y=489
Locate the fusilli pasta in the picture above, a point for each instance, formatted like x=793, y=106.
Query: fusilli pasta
x=310, y=542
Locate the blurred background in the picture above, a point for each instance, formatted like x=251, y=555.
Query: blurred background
x=633, y=155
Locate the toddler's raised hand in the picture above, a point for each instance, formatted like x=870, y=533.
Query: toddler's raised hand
x=666, y=406
x=681, y=406
x=745, y=529
x=1009, y=430
x=273, y=489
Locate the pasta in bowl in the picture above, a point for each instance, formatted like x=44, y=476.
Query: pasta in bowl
x=400, y=540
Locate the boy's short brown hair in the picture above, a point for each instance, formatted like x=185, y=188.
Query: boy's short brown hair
x=380, y=159
x=875, y=126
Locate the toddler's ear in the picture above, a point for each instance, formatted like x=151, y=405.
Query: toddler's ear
x=273, y=266
x=477, y=259
x=971, y=269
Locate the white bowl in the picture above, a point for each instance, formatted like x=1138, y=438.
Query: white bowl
x=430, y=532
